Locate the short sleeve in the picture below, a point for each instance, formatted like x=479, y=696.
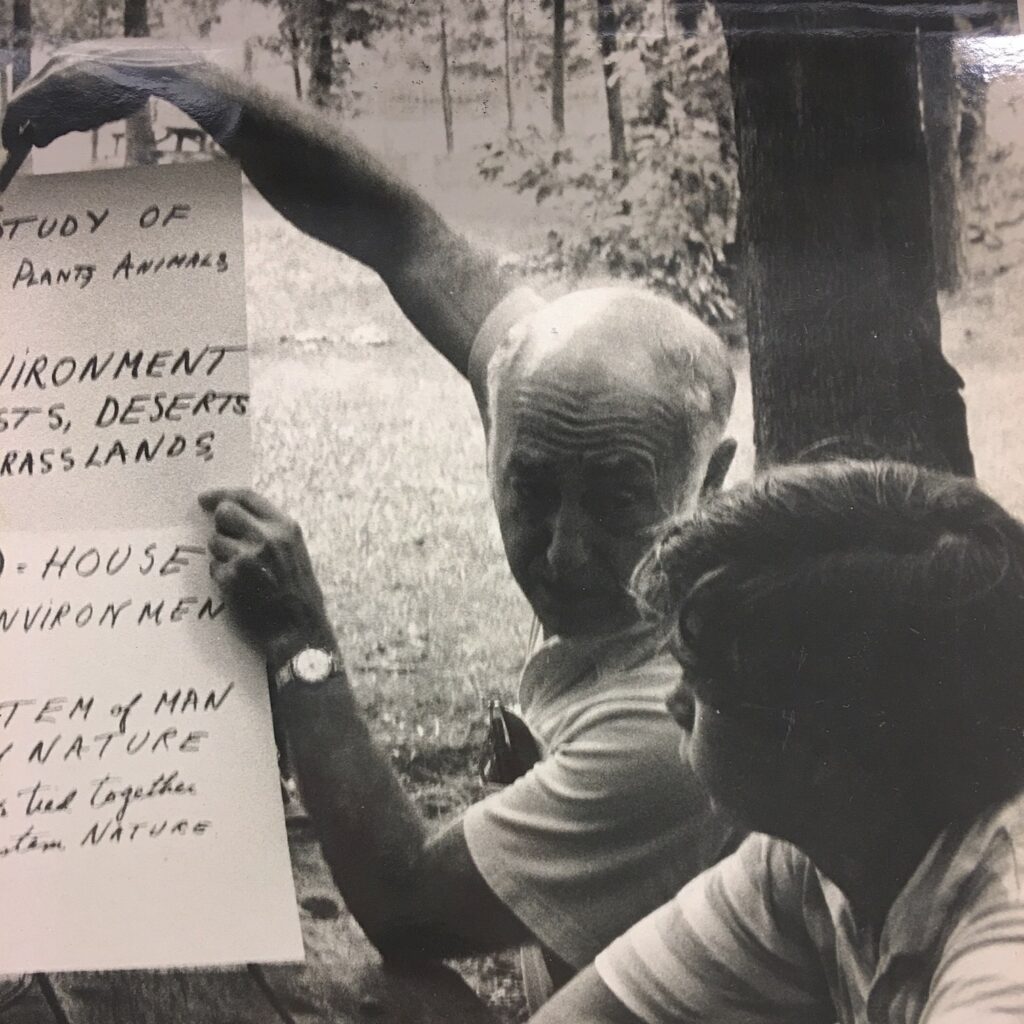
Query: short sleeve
x=980, y=975
x=578, y=848
x=732, y=946
x=505, y=315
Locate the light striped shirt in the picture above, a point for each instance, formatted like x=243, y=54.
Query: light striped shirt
x=764, y=937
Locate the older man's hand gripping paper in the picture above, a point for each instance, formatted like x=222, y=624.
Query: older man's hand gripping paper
x=412, y=894
x=262, y=566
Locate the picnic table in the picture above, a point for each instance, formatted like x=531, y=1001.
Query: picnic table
x=343, y=980
x=181, y=135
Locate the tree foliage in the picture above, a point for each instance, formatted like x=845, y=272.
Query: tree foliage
x=58, y=22
x=665, y=217
x=318, y=34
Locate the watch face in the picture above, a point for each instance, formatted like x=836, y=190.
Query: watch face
x=312, y=665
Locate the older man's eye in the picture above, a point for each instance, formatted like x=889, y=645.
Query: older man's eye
x=627, y=498
x=625, y=507
x=533, y=491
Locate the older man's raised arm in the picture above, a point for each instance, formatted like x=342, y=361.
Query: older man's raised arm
x=317, y=176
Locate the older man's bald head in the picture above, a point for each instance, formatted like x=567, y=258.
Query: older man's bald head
x=625, y=346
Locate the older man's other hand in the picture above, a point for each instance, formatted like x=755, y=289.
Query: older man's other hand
x=88, y=85
x=260, y=563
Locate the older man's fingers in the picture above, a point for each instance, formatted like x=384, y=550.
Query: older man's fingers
x=209, y=500
x=259, y=506
x=223, y=549
x=232, y=520
x=244, y=497
x=223, y=574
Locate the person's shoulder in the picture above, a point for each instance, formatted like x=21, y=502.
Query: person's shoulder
x=652, y=673
x=989, y=861
x=979, y=956
x=627, y=701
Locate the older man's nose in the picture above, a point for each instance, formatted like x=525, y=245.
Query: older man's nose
x=567, y=550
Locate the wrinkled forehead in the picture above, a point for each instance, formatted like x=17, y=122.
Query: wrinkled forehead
x=585, y=380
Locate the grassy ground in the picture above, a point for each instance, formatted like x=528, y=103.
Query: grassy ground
x=373, y=443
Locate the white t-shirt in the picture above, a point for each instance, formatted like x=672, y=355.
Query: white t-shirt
x=611, y=822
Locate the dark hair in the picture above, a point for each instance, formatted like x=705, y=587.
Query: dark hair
x=876, y=593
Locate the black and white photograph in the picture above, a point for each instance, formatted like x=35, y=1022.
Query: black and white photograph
x=511, y=512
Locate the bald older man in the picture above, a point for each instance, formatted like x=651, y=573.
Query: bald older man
x=604, y=413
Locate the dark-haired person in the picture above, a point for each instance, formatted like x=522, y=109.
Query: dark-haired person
x=853, y=635
x=604, y=412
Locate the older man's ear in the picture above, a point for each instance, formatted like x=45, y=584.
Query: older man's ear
x=718, y=466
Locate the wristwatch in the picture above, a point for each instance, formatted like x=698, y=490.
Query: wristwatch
x=312, y=666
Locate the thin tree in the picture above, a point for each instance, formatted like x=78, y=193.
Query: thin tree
x=506, y=31
x=21, y=40
x=293, y=42
x=446, y=87
x=4, y=61
x=836, y=232
x=558, y=66
x=321, y=59
x=139, y=141
x=607, y=33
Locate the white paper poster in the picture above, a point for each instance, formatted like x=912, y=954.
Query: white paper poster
x=140, y=812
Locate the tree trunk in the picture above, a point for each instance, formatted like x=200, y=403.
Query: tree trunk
x=139, y=140
x=4, y=60
x=507, y=33
x=21, y=40
x=940, y=104
x=607, y=31
x=835, y=223
x=290, y=31
x=321, y=60
x=558, y=67
x=446, y=90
